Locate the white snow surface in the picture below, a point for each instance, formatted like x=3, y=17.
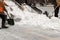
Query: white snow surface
x=32, y=26
x=30, y=17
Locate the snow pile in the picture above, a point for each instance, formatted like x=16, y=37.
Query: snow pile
x=32, y=18
x=41, y=20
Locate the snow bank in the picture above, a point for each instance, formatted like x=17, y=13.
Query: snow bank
x=41, y=20
x=33, y=18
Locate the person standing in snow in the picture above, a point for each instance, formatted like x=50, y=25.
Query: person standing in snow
x=56, y=6
x=2, y=14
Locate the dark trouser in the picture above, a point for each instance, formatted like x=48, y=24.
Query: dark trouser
x=56, y=11
x=4, y=17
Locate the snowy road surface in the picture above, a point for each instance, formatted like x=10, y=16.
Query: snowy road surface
x=28, y=32
x=32, y=26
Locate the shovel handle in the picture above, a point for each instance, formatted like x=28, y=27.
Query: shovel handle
x=55, y=9
x=7, y=14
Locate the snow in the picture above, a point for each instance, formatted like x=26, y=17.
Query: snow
x=30, y=17
x=32, y=26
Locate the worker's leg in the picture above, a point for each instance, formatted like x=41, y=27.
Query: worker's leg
x=56, y=12
x=4, y=18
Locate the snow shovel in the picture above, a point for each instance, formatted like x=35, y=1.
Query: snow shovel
x=10, y=20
